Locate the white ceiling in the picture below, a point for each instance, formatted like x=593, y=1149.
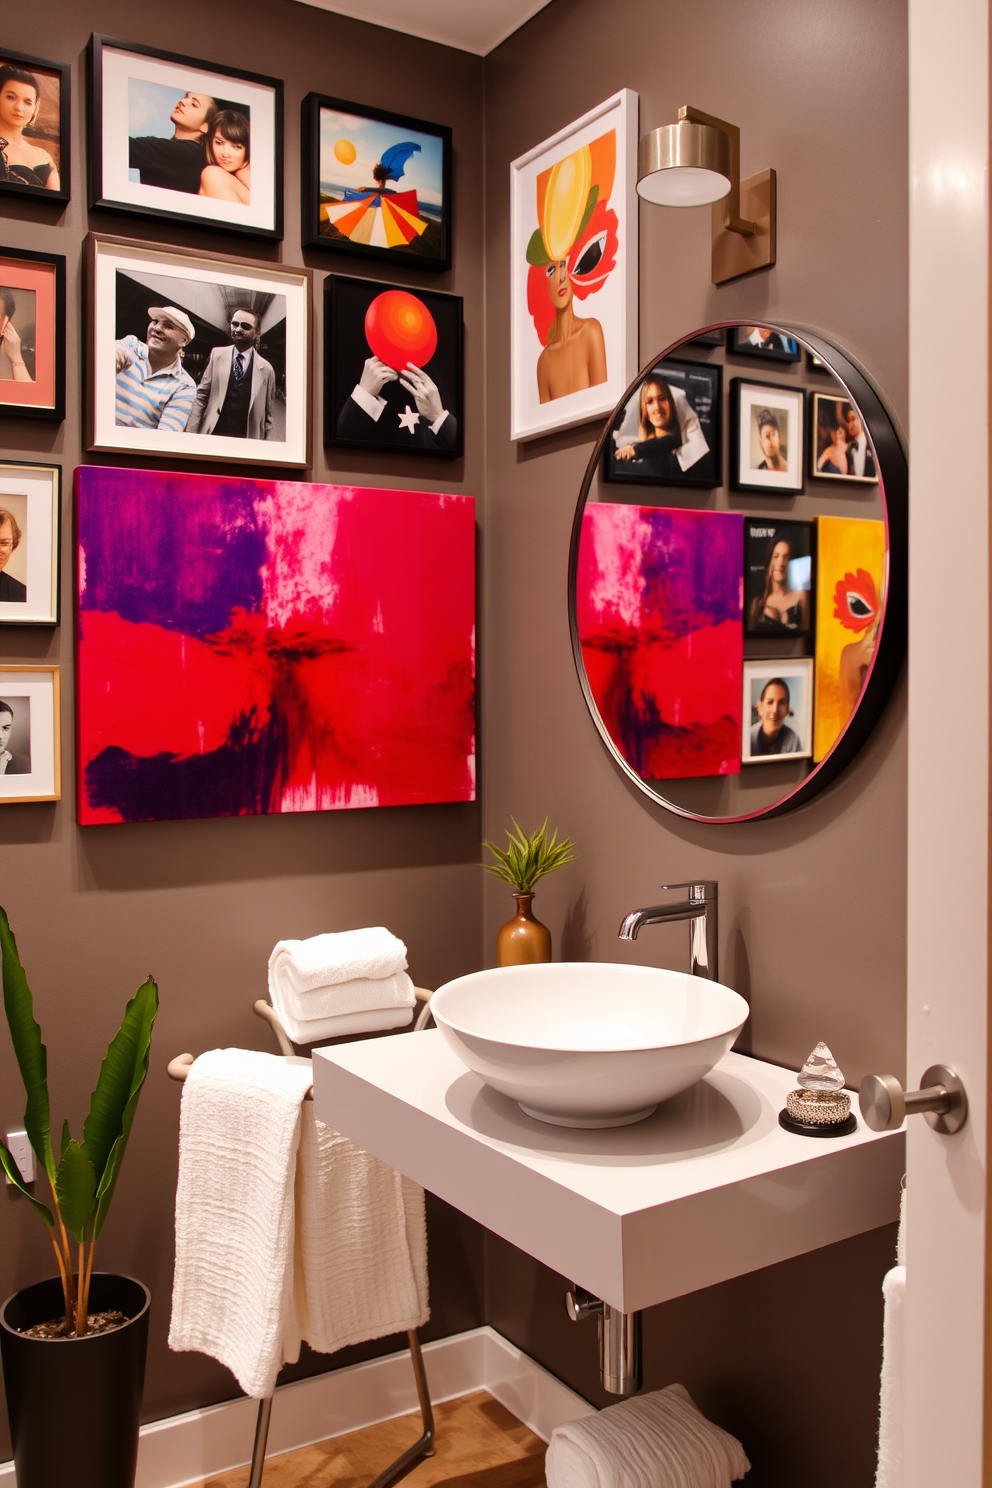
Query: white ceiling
x=473, y=27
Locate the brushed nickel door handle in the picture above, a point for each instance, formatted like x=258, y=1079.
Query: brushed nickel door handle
x=941, y=1099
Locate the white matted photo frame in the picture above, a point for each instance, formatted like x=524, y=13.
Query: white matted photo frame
x=30, y=523
x=30, y=734
x=179, y=138
x=196, y=355
x=573, y=271
x=777, y=710
x=767, y=437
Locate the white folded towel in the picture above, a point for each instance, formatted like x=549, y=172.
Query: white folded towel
x=239, y=1132
x=661, y=1440
x=345, y=1008
x=281, y=1237
x=890, y=1415
x=303, y=966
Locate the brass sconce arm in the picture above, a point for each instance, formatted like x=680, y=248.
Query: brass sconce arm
x=732, y=219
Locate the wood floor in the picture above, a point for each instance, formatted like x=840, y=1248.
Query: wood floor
x=479, y=1445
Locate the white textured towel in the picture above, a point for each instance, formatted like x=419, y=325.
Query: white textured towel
x=890, y=1415
x=346, y=1008
x=281, y=1236
x=305, y=966
x=661, y=1440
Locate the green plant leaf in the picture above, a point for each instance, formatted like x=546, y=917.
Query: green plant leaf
x=75, y=1190
x=14, y=1174
x=30, y=1052
x=66, y=1139
x=528, y=858
x=536, y=252
x=122, y=1075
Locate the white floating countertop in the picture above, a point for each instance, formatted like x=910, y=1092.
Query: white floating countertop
x=707, y=1188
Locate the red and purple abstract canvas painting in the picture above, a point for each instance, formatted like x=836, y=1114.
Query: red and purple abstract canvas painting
x=253, y=646
x=659, y=604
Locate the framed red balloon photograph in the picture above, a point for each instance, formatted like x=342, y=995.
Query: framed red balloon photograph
x=393, y=376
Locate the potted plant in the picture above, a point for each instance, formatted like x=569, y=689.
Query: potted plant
x=73, y=1347
x=525, y=860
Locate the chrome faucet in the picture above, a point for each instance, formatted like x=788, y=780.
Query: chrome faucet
x=700, y=909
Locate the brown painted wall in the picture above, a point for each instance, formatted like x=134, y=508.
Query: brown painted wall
x=200, y=904
x=812, y=905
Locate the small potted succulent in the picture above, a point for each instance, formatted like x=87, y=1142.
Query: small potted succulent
x=73, y=1347
x=525, y=860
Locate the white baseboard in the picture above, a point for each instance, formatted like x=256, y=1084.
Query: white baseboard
x=183, y=1449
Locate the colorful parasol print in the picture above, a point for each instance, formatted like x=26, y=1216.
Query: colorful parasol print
x=374, y=214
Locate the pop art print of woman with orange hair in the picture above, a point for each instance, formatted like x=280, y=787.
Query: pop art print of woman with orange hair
x=571, y=255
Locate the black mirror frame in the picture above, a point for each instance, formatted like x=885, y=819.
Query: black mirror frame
x=890, y=649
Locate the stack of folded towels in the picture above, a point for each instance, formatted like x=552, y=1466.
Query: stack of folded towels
x=661, y=1440
x=334, y=986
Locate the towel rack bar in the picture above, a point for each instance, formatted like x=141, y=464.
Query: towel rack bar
x=179, y=1068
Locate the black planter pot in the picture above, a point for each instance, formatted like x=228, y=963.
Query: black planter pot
x=75, y=1403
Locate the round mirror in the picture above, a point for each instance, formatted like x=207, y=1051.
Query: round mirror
x=737, y=576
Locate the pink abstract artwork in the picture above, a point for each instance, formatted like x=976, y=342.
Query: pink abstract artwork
x=659, y=606
x=256, y=646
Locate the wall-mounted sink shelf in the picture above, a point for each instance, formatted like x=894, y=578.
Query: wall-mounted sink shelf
x=707, y=1188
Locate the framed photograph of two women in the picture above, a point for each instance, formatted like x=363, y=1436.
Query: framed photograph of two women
x=196, y=355
x=573, y=271
x=34, y=127
x=187, y=140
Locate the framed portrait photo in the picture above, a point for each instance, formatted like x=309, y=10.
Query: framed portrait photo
x=573, y=271
x=376, y=184
x=778, y=577
x=778, y=710
x=193, y=141
x=30, y=734
x=30, y=518
x=35, y=110
x=393, y=374
x=767, y=437
x=32, y=334
x=669, y=430
x=197, y=356
x=762, y=341
x=840, y=448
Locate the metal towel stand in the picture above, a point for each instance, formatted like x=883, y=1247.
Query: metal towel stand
x=178, y=1069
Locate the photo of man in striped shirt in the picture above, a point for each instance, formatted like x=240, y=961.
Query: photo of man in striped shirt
x=153, y=389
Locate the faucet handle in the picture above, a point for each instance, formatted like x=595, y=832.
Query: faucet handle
x=701, y=890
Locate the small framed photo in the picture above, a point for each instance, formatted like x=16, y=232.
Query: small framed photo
x=197, y=356
x=709, y=338
x=376, y=184
x=762, y=341
x=32, y=334
x=768, y=435
x=841, y=448
x=30, y=734
x=186, y=140
x=30, y=523
x=35, y=110
x=778, y=577
x=778, y=710
x=669, y=430
x=573, y=271
x=393, y=375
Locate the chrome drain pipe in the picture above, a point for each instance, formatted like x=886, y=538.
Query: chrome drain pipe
x=619, y=1340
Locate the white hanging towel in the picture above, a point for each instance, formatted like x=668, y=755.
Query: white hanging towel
x=890, y=1416
x=661, y=1440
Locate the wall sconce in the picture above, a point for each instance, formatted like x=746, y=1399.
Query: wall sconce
x=697, y=161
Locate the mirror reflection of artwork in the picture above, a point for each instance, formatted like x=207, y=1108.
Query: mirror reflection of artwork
x=763, y=341
x=669, y=431
x=659, y=617
x=767, y=430
x=778, y=710
x=850, y=578
x=778, y=572
x=841, y=448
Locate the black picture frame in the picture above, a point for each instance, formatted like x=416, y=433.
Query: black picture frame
x=346, y=303
x=414, y=255
x=761, y=534
x=754, y=480
x=702, y=384
x=779, y=347
x=56, y=408
x=100, y=197
x=716, y=337
x=43, y=193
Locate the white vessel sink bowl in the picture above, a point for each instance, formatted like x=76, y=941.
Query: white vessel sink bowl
x=588, y=1043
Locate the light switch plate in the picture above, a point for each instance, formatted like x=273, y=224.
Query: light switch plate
x=22, y=1152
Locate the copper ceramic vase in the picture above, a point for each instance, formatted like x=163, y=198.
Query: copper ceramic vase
x=523, y=939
